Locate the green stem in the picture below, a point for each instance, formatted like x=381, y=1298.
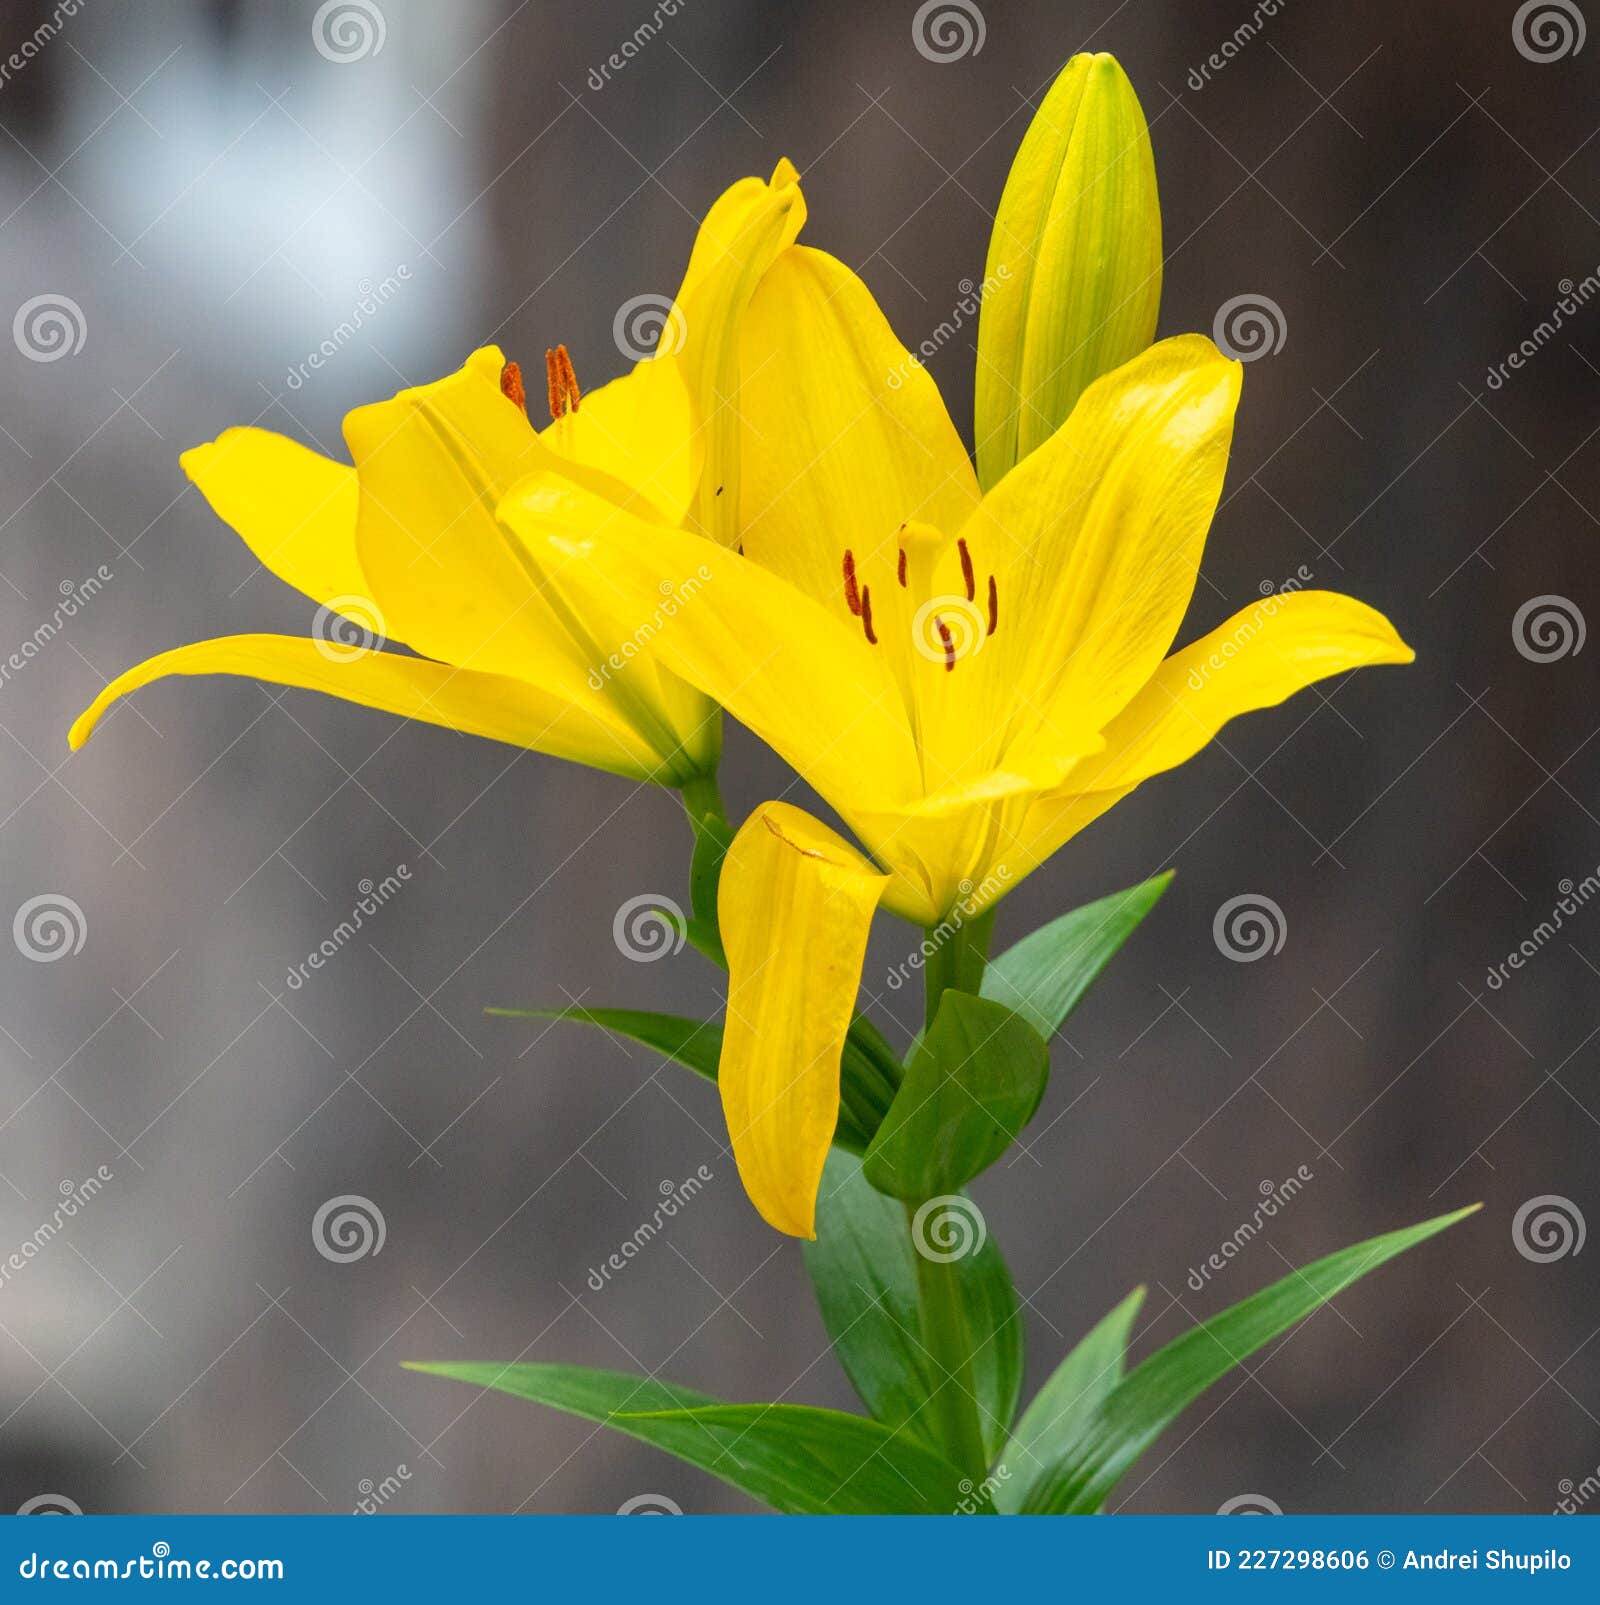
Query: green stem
x=944, y=1335
x=958, y=956
x=702, y=801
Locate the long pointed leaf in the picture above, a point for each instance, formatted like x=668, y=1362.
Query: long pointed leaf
x=799, y=1460
x=1081, y=1471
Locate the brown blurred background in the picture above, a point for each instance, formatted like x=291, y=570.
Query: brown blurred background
x=213, y=195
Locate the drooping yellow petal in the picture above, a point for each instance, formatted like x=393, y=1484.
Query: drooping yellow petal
x=293, y=507
x=1259, y=658
x=1072, y=285
x=740, y=238
x=795, y=905
x=476, y=704
x=846, y=437
x=804, y=681
x=1095, y=540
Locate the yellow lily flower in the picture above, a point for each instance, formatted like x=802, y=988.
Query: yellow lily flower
x=404, y=545
x=968, y=679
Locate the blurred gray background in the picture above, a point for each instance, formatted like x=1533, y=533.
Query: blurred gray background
x=214, y=195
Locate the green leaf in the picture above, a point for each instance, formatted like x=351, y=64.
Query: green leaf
x=1077, y=1387
x=864, y=1270
x=799, y=1460
x=1080, y=1471
x=1046, y=974
x=697, y=1045
x=973, y=1083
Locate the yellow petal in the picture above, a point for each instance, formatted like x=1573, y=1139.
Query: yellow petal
x=1072, y=285
x=795, y=905
x=1259, y=658
x=1095, y=542
x=476, y=704
x=741, y=236
x=294, y=508
x=805, y=682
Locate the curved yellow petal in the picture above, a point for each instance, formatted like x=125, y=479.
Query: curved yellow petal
x=495, y=706
x=846, y=437
x=293, y=507
x=1259, y=658
x=741, y=236
x=802, y=680
x=1095, y=542
x=795, y=905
